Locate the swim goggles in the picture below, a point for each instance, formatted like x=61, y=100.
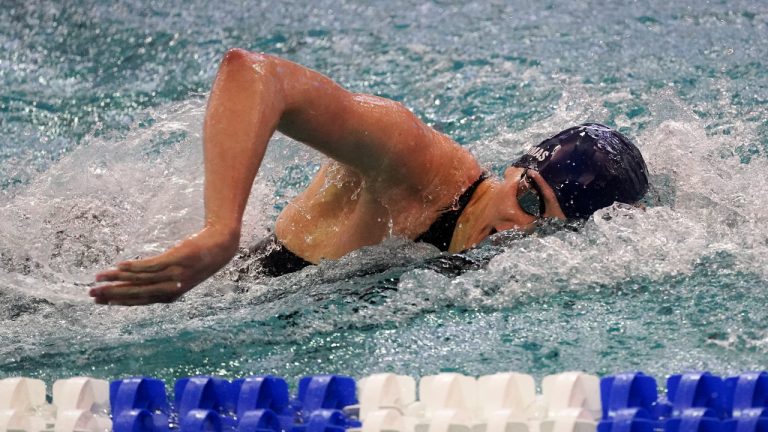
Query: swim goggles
x=532, y=201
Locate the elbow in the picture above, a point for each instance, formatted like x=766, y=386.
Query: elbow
x=254, y=65
x=235, y=56
x=238, y=57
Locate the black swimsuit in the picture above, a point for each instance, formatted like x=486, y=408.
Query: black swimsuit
x=440, y=232
x=277, y=260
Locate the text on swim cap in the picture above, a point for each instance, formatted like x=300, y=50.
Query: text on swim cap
x=538, y=153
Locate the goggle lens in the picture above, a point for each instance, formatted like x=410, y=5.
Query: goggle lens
x=531, y=201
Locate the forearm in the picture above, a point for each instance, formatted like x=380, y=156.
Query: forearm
x=244, y=108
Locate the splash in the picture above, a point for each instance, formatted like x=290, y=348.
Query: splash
x=677, y=286
x=139, y=194
x=113, y=199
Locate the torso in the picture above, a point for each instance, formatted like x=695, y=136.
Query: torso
x=341, y=210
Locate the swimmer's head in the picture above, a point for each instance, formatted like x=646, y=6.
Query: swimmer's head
x=589, y=167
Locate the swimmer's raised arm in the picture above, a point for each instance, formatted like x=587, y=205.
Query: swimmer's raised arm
x=252, y=96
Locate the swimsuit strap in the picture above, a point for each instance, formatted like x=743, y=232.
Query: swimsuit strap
x=440, y=232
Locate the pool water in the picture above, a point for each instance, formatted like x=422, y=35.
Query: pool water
x=100, y=160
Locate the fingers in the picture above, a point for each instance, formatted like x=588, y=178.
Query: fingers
x=138, y=288
x=168, y=274
x=551, y=205
x=107, y=292
x=152, y=264
x=129, y=294
x=160, y=278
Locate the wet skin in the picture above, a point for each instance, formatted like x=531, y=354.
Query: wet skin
x=389, y=174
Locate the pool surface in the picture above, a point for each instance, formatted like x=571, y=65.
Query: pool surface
x=100, y=160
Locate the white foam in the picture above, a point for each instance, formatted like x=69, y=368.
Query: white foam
x=703, y=201
x=119, y=197
x=115, y=198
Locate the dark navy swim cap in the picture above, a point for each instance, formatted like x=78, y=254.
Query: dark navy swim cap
x=589, y=167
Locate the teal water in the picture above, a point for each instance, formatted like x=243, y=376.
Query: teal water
x=100, y=160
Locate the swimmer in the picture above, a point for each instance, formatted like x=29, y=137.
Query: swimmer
x=388, y=175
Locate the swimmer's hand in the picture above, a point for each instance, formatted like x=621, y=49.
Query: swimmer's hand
x=166, y=277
